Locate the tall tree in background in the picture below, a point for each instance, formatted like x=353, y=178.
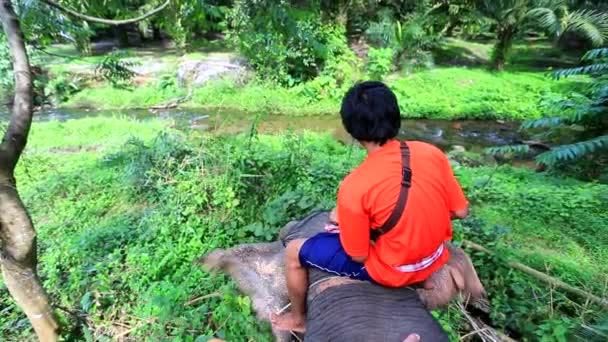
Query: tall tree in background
x=18, y=255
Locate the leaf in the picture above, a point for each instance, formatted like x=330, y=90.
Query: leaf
x=86, y=302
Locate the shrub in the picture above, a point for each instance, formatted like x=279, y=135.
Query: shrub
x=114, y=69
x=283, y=43
x=379, y=63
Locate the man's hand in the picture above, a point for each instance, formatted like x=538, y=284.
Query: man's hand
x=359, y=259
x=460, y=214
x=333, y=215
x=412, y=338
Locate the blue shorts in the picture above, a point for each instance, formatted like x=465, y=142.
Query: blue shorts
x=324, y=252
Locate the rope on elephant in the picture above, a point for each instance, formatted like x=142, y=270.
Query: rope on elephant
x=283, y=309
x=293, y=333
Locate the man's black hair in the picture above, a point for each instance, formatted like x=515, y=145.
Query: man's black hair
x=370, y=112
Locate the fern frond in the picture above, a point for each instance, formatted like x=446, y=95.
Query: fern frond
x=585, y=70
x=514, y=149
x=543, y=122
x=572, y=151
x=588, y=112
x=595, y=53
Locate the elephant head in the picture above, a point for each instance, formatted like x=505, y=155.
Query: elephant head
x=342, y=309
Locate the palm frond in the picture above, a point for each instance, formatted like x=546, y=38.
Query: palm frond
x=591, y=24
x=584, y=70
x=573, y=151
x=509, y=149
x=595, y=53
x=547, y=19
x=543, y=122
x=593, y=332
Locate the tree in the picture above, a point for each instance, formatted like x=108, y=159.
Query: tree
x=18, y=255
x=559, y=21
x=511, y=16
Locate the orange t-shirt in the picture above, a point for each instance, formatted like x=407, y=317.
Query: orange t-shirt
x=368, y=195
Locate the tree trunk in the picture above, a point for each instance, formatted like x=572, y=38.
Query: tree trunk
x=503, y=46
x=18, y=259
x=156, y=35
x=122, y=35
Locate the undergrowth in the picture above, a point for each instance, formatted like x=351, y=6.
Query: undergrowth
x=440, y=93
x=123, y=209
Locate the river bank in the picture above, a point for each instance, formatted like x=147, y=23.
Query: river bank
x=458, y=87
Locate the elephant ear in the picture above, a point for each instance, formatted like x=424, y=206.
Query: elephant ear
x=457, y=277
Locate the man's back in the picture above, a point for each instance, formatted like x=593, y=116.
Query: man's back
x=368, y=196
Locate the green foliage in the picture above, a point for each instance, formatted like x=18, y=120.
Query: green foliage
x=512, y=17
x=114, y=69
x=6, y=65
x=440, y=93
x=410, y=38
x=122, y=208
x=560, y=22
x=472, y=93
x=586, y=112
x=62, y=86
x=283, y=43
x=120, y=225
x=183, y=19
x=379, y=63
x=109, y=97
x=554, y=225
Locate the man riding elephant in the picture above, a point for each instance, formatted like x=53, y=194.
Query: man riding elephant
x=394, y=211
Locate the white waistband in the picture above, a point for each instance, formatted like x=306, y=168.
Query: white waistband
x=422, y=264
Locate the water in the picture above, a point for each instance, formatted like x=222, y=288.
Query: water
x=472, y=134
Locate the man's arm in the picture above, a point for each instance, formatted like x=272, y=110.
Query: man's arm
x=354, y=225
x=457, y=202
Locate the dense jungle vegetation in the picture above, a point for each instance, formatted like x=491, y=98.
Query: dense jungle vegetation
x=124, y=205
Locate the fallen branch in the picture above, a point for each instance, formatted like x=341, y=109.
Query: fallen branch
x=207, y=296
x=173, y=103
x=479, y=328
x=105, y=21
x=542, y=276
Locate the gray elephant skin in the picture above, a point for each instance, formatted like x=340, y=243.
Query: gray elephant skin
x=342, y=309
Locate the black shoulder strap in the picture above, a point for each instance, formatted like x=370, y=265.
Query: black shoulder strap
x=406, y=183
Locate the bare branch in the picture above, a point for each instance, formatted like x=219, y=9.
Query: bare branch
x=102, y=20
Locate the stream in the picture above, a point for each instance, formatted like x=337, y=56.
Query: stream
x=474, y=135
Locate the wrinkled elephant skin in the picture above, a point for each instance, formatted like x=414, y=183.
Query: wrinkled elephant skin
x=341, y=309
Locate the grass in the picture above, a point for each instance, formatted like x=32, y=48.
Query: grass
x=526, y=55
x=444, y=92
x=123, y=207
x=107, y=97
x=456, y=92
x=440, y=93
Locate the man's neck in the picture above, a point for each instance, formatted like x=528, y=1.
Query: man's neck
x=371, y=146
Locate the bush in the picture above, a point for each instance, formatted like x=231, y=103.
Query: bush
x=114, y=69
x=379, y=63
x=283, y=43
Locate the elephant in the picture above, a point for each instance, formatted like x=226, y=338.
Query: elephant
x=340, y=308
